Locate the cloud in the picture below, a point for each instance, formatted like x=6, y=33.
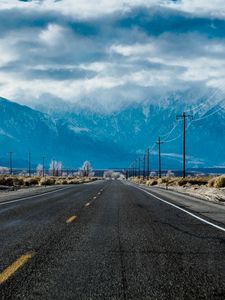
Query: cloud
x=84, y=10
x=110, y=55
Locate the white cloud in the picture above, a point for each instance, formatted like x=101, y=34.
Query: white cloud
x=111, y=67
x=209, y=8
x=89, y=9
x=52, y=35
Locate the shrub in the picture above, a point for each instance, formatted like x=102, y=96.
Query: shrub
x=220, y=182
x=154, y=182
x=211, y=182
x=8, y=181
x=31, y=181
x=182, y=182
x=47, y=181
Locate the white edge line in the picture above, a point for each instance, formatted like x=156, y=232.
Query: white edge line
x=178, y=207
x=30, y=197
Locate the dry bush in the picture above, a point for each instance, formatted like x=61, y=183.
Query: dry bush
x=163, y=180
x=153, y=182
x=198, y=180
x=182, y=182
x=211, y=182
x=47, y=181
x=31, y=181
x=6, y=180
x=219, y=182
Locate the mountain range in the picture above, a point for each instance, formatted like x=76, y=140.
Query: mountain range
x=115, y=139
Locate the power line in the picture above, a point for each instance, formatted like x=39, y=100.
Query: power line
x=144, y=166
x=148, y=163
x=184, y=117
x=10, y=162
x=29, y=164
x=159, y=142
x=139, y=167
x=43, y=166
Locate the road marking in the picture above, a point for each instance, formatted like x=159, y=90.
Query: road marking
x=99, y=193
x=182, y=209
x=71, y=219
x=34, y=196
x=94, y=198
x=8, y=272
x=87, y=204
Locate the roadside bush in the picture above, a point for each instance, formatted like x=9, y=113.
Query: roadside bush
x=198, y=181
x=211, y=182
x=154, y=182
x=31, y=181
x=7, y=181
x=47, y=181
x=220, y=182
x=18, y=181
x=182, y=182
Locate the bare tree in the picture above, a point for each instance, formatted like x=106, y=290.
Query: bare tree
x=86, y=168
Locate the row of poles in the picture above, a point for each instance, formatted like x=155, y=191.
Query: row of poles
x=29, y=164
x=135, y=168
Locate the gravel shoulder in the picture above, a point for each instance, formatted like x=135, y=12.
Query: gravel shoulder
x=202, y=192
x=7, y=195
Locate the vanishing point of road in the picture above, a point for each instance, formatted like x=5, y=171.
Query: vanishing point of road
x=111, y=240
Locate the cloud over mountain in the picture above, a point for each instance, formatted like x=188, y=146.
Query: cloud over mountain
x=110, y=55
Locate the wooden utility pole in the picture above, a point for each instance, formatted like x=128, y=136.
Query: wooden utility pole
x=184, y=117
x=159, y=157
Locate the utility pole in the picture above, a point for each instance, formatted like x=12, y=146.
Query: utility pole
x=29, y=165
x=159, y=156
x=53, y=168
x=10, y=162
x=43, y=166
x=144, y=166
x=139, y=167
x=184, y=116
x=148, y=163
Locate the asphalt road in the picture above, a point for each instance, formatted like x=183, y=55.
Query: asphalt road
x=110, y=240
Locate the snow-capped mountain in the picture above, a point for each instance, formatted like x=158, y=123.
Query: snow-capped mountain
x=23, y=129
x=116, y=139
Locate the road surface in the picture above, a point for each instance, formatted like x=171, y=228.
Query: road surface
x=111, y=240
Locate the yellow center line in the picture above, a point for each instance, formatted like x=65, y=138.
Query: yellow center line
x=87, y=204
x=9, y=271
x=71, y=219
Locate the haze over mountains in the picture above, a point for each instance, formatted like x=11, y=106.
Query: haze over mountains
x=112, y=140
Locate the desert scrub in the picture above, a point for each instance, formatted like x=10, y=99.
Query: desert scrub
x=211, y=182
x=182, y=182
x=154, y=182
x=219, y=182
x=47, y=181
x=31, y=181
x=6, y=180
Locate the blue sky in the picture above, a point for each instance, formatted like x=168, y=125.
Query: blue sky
x=105, y=55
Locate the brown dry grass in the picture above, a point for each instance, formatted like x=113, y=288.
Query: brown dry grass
x=19, y=181
x=216, y=182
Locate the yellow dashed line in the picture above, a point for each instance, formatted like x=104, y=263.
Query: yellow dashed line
x=87, y=204
x=8, y=272
x=71, y=219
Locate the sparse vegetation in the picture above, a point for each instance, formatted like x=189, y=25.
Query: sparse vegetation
x=219, y=182
x=208, y=181
x=23, y=181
